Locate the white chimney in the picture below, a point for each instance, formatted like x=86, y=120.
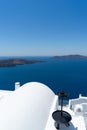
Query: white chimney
x=17, y=85
x=80, y=95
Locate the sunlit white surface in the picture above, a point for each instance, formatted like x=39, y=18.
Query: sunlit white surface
x=30, y=107
x=27, y=108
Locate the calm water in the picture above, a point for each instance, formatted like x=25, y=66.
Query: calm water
x=68, y=75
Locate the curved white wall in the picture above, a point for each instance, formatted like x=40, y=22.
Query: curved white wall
x=27, y=108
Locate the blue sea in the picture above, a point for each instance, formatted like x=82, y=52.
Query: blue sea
x=69, y=75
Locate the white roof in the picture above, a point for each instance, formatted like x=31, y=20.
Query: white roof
x=27, y=108
x=30, y=107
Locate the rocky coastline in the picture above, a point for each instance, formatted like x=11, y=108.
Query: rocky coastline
x=14, y=62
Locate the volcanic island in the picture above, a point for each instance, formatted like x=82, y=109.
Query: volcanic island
x=17, y=61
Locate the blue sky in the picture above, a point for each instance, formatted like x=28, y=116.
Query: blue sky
x=43, y=27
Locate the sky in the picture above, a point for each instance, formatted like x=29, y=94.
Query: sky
x=43, y=27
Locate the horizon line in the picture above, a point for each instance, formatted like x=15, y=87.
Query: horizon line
x=42, y=55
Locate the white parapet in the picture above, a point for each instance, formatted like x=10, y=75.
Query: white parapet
x=17, y=85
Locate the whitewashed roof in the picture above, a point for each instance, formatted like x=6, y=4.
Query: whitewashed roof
x=27, y=108
x=30, y=107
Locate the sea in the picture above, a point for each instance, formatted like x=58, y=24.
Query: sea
x=68, y=75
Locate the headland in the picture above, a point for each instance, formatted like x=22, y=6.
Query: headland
x=17, y=61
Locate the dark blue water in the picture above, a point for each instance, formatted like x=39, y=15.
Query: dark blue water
x=69, y=75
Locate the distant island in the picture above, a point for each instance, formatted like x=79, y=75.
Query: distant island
x=16, y=61
x=71, y=57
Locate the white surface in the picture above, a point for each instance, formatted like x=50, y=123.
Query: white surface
x=31, y=106
x=81, y=117
x=77, y=122
x=27, y=108
x=76, y=101
x=50, y=121
x=4, y=93
x=17, y=85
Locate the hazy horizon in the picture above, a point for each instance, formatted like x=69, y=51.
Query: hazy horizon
x=42, y=55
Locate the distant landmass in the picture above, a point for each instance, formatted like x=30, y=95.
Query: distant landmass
x=14, y=62
x=20, y=61
x=71, y=57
